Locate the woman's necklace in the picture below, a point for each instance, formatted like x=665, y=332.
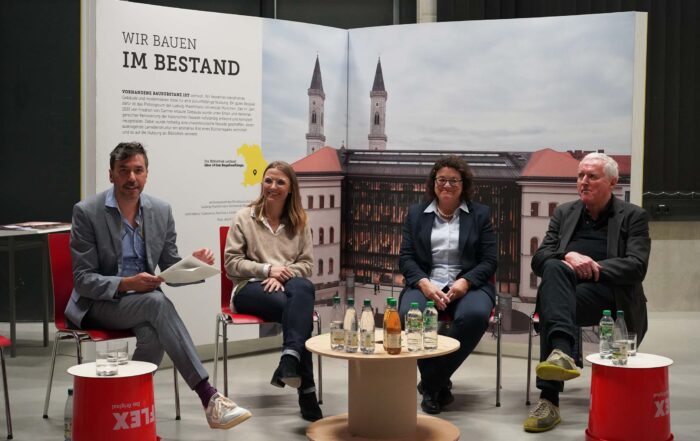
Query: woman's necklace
x=443, y=215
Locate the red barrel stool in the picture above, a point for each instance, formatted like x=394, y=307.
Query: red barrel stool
x=117, y=408
x=630, y=402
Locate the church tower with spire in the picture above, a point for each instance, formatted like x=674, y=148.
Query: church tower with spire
x=377, y=114
x=315, y=139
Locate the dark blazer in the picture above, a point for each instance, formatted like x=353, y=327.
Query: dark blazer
x=96, y=249
x=628, y=255
x=477, y=243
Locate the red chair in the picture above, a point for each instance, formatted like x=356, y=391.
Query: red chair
x=533, y=331
x=5, y=343
x=62, y=279
x=494, y=320
x=227, y=317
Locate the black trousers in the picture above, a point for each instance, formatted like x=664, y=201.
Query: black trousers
x=293, y=308
x=565, y=303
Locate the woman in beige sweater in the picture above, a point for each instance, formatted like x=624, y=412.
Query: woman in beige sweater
x=268, y=258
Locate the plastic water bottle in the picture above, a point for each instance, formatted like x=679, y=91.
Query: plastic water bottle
x=350, y=327
x=414, y=328
x=430, y=326
x=606, y=335
x=367, y=328
x=337, y=334
x=620, y=344
x=68, y=417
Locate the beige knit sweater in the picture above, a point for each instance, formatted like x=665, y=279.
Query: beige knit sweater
x=250, y=245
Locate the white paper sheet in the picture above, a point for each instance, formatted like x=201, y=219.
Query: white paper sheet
x=189, y=270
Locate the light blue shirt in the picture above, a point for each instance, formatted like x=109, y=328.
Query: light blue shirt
x=444, y=245
x=133, y=246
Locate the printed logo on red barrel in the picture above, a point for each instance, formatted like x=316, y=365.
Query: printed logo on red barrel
x=132, y=415
x=662, y=404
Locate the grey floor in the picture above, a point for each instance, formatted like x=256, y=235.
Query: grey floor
x=275, y=411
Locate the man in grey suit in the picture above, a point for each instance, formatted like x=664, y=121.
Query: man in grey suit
x=118, y=238
x=594, y=257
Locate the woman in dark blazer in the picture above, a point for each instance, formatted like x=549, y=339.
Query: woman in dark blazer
x=448, y=255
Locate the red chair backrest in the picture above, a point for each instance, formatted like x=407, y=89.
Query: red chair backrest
x=226, y=284
x=61, y=274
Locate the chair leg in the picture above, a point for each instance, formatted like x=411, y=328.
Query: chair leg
x=177, y=394
x=216, y=349
x=7, y=395
x=53, y=365
x=320, y=366
x=529, y=362
x=225, y=365
x=498, y=360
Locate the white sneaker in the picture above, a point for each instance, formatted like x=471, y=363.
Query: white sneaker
x=222, y=413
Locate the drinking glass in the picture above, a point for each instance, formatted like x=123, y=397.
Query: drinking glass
x=120, y=349
x=105, y=364
x=632, y=340
x=619, y=352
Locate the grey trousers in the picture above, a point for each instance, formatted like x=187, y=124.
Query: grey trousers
x=158, y=328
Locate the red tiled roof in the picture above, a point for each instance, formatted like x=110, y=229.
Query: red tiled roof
x=324, y=159
x=548, y=163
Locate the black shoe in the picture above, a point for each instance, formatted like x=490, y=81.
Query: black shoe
x=448, y=386
x=310, y=410
x=433, y=403
x=430, y=403
x=287, y=373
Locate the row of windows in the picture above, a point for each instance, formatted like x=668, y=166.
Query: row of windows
x=321, y=235
x=321, y=202
x=331, y=266
x=535, y=208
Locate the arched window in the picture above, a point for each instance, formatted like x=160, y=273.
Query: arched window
x=321, y=201
x=376, y=118
x=320, y=236
x=332, y=201
x=320, y=267
x=330, y=266
x=309, y=202
x=533, y=280
x=552, y=207
x=313, y=117
x=533, y=246
x=534, y=209
x=331, y=236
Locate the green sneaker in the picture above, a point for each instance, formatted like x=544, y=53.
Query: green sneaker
x=558, y=366
x=543, y=417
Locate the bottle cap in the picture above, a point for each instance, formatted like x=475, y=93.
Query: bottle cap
x=391, y=301
x=70, y=392
x=368, y=302
x=414, y=305
x=606, y=312
x=351, y=301
x=388, y=300
x=620, y=313
x=336, y=299
x=430, y=304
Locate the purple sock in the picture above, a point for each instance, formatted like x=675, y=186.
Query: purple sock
x=205, y=391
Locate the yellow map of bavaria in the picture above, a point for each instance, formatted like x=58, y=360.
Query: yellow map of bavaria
x=255, y=163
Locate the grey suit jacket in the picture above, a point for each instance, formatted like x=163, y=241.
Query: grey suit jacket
x=96, y=249
x=627, y=260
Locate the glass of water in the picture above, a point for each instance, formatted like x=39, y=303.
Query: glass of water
x=619, y=352
x=105, y=364
x=120, y=350
x=632, y=340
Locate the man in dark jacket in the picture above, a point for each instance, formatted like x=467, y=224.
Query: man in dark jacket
x=594, y=257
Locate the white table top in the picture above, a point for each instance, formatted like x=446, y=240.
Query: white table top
x=639, y=361
x=57, y=229
x=321, y=344
x=131, y=369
